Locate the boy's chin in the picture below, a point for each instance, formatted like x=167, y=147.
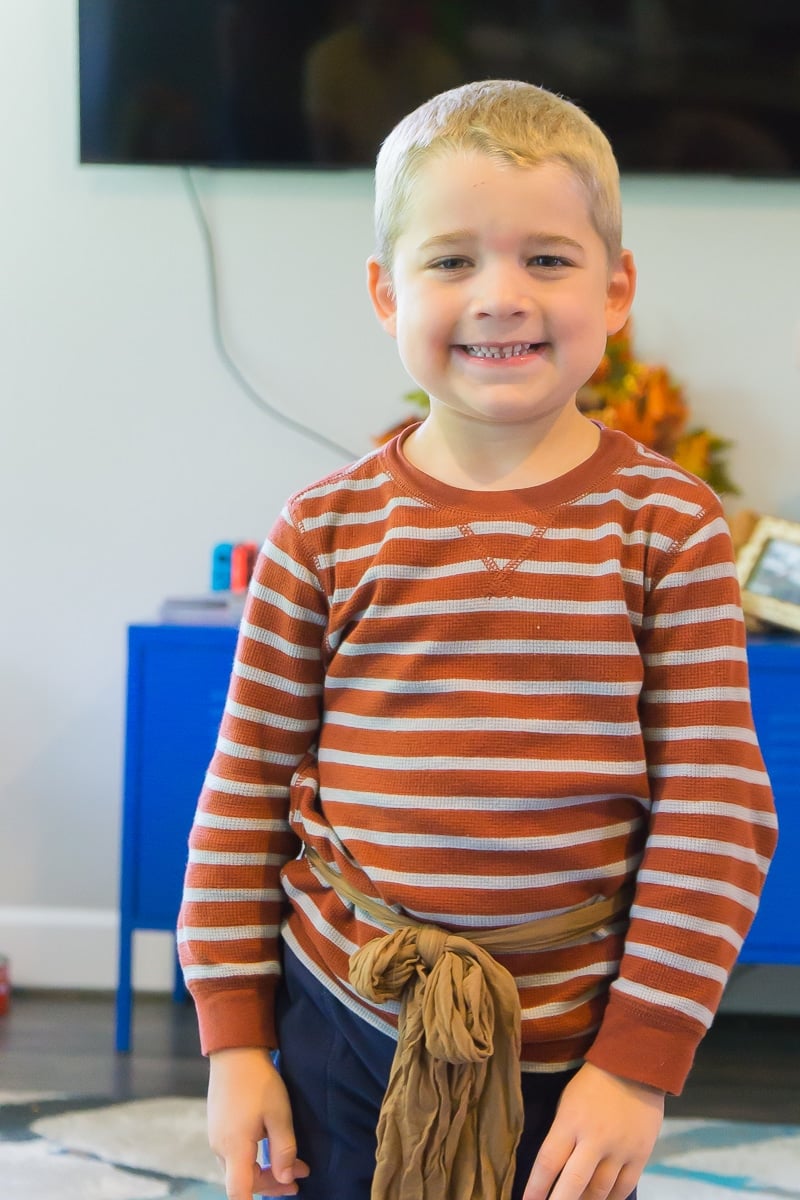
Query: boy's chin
x=498, y=412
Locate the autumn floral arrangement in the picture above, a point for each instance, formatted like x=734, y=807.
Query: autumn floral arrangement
x=643, y=401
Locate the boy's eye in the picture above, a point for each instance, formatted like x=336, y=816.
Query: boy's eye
x=550, y=261
x=451, y=263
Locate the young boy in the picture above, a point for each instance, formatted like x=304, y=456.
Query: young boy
x=491, y=679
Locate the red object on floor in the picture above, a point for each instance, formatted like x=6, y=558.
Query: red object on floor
x=5, y=985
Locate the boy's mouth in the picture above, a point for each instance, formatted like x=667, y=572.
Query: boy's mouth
x=513, y=350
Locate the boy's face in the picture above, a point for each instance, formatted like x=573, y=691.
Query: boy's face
x=501, y=295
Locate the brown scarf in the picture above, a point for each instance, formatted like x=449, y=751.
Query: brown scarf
x=452, y=1115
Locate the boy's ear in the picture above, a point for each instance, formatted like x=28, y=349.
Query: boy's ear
x=381, y=293
x=621, y=290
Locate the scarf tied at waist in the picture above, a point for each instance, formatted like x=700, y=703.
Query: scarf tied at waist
x=452, y=1116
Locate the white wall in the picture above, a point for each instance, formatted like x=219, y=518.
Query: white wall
x=127, y=450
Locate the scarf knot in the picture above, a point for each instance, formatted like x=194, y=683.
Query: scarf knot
x=452, y=1116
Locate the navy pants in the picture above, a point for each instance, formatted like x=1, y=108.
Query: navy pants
x=336, y=1068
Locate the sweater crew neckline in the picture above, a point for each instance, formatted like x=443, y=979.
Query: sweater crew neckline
x=612, y=450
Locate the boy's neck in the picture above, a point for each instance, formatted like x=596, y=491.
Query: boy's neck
x=499, y=458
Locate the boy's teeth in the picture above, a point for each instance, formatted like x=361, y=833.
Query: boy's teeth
x=500, y=351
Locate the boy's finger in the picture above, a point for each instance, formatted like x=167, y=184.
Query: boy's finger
x=265, y=1184
x=240, y=1172
x=282, y=1148
x=547, y=1168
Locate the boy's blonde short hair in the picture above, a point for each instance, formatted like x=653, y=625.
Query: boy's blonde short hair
x=510, y=121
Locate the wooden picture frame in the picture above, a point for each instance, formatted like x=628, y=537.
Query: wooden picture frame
x=768, y=565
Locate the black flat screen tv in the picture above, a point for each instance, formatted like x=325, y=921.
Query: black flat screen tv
x=680, y=86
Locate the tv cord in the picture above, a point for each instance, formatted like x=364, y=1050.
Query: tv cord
x=225, y=355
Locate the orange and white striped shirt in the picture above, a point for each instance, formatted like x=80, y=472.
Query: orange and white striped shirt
x=483, y=707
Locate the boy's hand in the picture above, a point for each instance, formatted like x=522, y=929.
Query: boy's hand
x=602, y=1136
x=247, y=1101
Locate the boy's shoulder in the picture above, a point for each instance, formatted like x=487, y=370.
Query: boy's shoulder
x=646, y=473
x=657, y=503
x=353, y=486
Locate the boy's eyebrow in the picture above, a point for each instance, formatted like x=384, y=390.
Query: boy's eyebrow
x=459, y=236
x=445, y=239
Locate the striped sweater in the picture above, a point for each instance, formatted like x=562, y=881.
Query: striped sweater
x=482, y=707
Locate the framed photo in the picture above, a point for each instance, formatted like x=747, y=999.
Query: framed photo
x=768, y=565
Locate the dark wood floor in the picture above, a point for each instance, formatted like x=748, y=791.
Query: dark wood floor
x=748, y=1068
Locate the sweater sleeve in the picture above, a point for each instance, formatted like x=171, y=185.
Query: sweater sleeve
x=233, y=902
x=712, y=828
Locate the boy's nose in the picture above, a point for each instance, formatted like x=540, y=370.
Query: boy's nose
x=502, y=293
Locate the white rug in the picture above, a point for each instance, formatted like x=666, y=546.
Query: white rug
x=156, y=1149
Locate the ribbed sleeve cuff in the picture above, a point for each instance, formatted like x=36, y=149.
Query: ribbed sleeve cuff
x=658, y=1056
x=234, y=1016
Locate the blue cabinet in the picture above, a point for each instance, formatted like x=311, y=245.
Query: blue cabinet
x=775, y=687
x=177, y=681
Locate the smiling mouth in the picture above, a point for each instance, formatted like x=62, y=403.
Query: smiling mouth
x=516, y=350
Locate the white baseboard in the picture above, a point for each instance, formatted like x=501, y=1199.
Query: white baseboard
x=764, y=988
x=77, y=948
